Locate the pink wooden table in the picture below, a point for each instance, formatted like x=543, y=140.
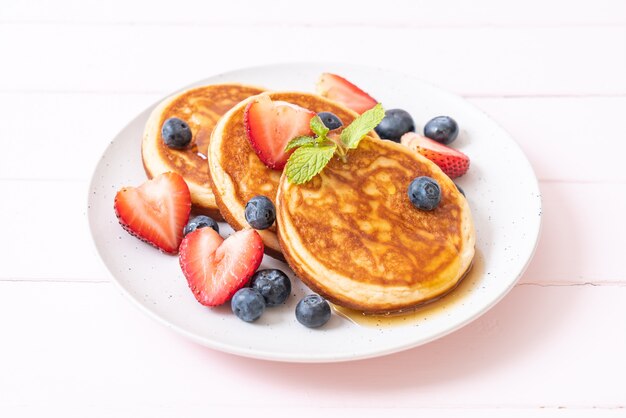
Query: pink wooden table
x=553, y=73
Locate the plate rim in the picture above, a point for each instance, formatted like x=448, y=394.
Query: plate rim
x=260, y=354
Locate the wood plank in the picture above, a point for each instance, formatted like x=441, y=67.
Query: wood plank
x=555, y=133
x=78, y=126
x=580, y=242
x=85, y=347
x=468, y=61
x=402, y=12
x=583, y=236
x=81, y=69
x=152, y=411
x=45, y=232
x=565, y=139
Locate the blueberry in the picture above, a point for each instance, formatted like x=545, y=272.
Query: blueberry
x=331, y=120
x=396, y=123
x=459, y=189
x=313, y=311
x=424, y=193
x=248, y=304
x=273, y=284
x=442, y=129
x=200, y=222
x=260, y=212
x=176, y=133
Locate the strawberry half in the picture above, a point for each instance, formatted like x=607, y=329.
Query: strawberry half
x=452, y=162
x=157, y=211
x=216, y=268
x=271, y=125
x=341, y=90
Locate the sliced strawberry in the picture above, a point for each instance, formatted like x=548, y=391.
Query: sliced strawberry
x=157, y=211
x=341, y=90
x=216, y=268
x=271, y=125
x=453, y=162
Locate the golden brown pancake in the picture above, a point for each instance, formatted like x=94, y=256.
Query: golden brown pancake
x=352, y=234
x=201, y=108
x=237, y=174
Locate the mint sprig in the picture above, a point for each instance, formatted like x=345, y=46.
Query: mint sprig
x=308, y=161
x=300, y=141
x=318, y=127
x=352, y=135
x=313, y=153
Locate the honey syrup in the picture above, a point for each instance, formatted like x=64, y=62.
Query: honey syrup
x=438, y=306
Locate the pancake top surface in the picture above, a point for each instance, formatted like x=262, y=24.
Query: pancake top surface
x=201, y=108
x=355, y=220
x=237, y=158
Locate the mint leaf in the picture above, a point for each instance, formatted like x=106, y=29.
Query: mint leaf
x=313, y=153
x=306, y=162
x=300, y=141
x=318, y=127
x=361, y=126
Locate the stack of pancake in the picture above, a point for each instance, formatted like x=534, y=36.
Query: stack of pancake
x=351, y=233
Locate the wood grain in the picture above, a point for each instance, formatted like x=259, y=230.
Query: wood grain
x=484, y=61
x=46, y=234
x=322, y=13
x=157, y=411
x=74, y=72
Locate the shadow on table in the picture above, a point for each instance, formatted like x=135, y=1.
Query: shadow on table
x=517, y=327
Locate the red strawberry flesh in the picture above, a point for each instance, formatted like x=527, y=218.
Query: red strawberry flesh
x=157, y=211
x=270, y=125
x=339, y=89
x=451, y=161
x=216, y=268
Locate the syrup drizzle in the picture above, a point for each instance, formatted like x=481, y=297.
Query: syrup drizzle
x=423, y=312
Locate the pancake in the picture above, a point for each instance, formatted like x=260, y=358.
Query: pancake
x=237, y=174
x=352, y=234
x=201, y=108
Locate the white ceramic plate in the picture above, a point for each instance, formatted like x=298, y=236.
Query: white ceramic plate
x=501, y=188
